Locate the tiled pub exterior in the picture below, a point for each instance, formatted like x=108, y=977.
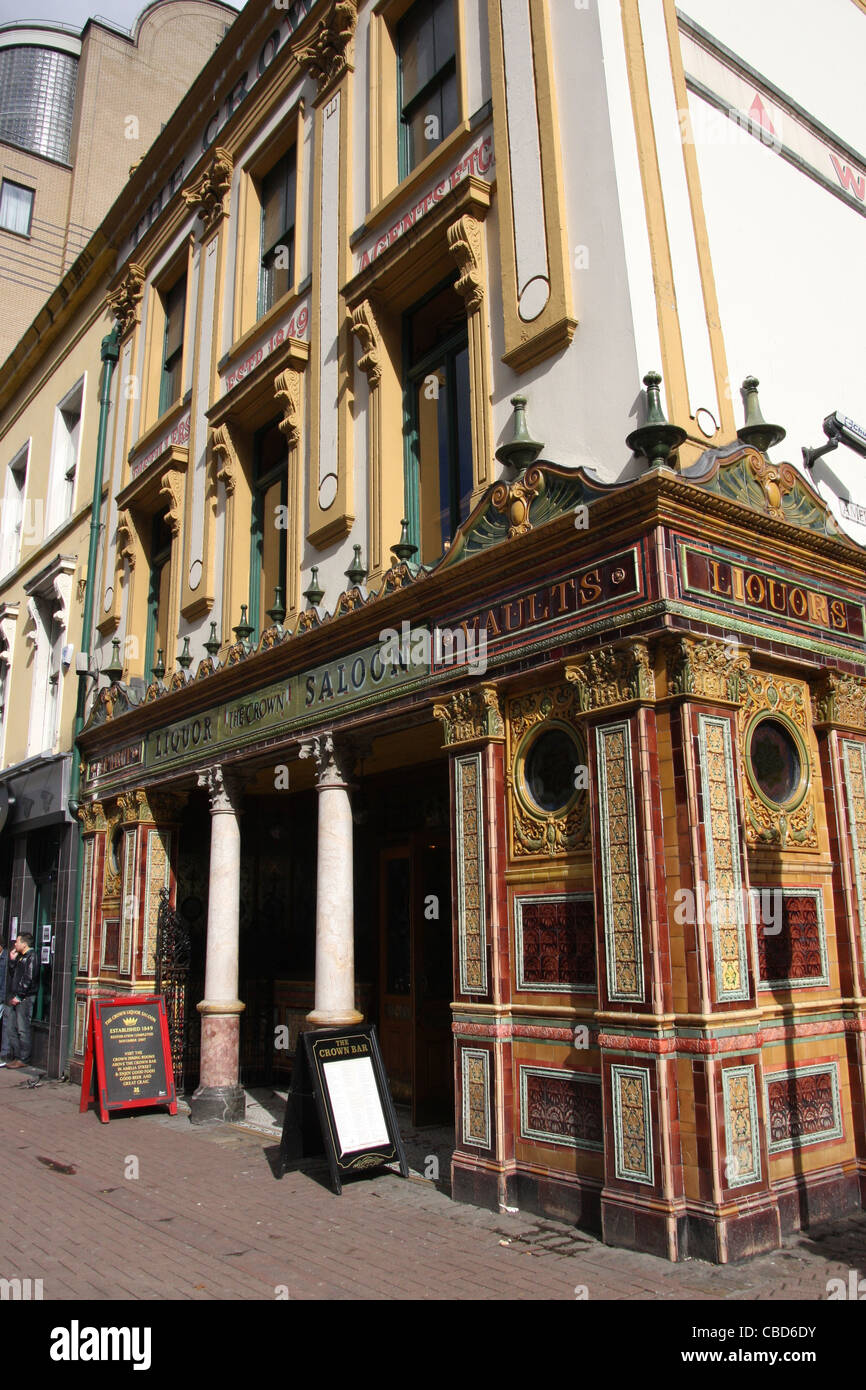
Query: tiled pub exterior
x=526, y=729
x=674, y=1076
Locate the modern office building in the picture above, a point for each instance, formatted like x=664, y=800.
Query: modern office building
x=77, y=108
x=448, y=678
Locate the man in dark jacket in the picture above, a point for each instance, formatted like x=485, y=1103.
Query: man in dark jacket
x=21, y=986
x=5, y=966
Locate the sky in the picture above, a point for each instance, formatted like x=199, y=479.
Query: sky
x=785, y=41
x=77, y=12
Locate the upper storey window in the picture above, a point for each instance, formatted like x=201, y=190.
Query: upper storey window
x=16, y=207
x=428, y=92
x=174, y=304
x=276, y=275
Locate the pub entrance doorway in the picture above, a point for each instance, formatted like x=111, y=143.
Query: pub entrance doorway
x=415, y=974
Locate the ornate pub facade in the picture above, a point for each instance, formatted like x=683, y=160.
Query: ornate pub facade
x=547, y=757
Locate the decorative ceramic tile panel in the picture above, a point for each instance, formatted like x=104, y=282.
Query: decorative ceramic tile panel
x=130, y=902
x=471, y=915
x=110, y=942
x=622, y=914
x=803, y=1106
x=632, y=1124
x=555, y=942
x=854, y=764
x=742, y=1140
x=726, y=906
x=475, y=1072
x=80, y=1026
x=795, y=955
x=156, y=877
x=561, y=1107
x=86, y=911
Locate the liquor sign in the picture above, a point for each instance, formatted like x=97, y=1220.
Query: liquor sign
x=734, y=581
x=340, y=1105
x=127, y=1058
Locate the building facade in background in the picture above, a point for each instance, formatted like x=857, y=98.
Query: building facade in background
x=76, y=110
x=559, y=683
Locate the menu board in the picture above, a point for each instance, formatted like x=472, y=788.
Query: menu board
x=340, y=1104
x=128, y=1055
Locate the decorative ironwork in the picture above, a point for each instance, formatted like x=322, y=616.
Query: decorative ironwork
x=172, y=978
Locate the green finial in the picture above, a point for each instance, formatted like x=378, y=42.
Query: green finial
x=212, y=645
x=356, y=574
x=158, y=671
x=244, y=629
x=314, y=594
x=655, y=439
x=404, y=549
x=114, y=670
x=521, y=450
x=184, y=661
x=277, y=614
x=756, y=431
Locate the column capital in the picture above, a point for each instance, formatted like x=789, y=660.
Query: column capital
x=470, y=716
x=222, y=788
x=334, y=762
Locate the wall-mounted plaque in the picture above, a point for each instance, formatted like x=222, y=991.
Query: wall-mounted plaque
x=127, y=1061
x=340, y=1105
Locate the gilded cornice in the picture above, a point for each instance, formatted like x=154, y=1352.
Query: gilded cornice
x=706, y=670
x=92, y=817
x=610, y=676
x=840, y=700
x=516, y=499
x=468, y=716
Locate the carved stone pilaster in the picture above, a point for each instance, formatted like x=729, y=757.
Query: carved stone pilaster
x=225, y=459
x=210, y=191
x=170, y=487
x=125, y=301
x=840, y=700
x=287, y=390
x=470, y=715
x=706, y=670
x=615, y=675
x=125, y=540
x=366, y=330
x=222, y=788
x=465, y=245
x=326, y=56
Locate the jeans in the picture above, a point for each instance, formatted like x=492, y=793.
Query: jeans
x=4, y=1031
x=18, y=1018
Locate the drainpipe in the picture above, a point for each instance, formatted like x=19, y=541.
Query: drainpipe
x=109, y=352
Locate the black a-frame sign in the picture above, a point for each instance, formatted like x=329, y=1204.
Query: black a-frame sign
x=340, y=1105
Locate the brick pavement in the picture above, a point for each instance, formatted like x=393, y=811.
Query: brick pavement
x=205, y=1219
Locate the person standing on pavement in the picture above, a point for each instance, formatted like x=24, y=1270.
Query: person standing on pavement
x=21, y=986
x=6, y=959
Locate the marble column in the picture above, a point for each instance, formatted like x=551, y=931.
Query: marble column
x=219, y=1096
x=335, y=915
